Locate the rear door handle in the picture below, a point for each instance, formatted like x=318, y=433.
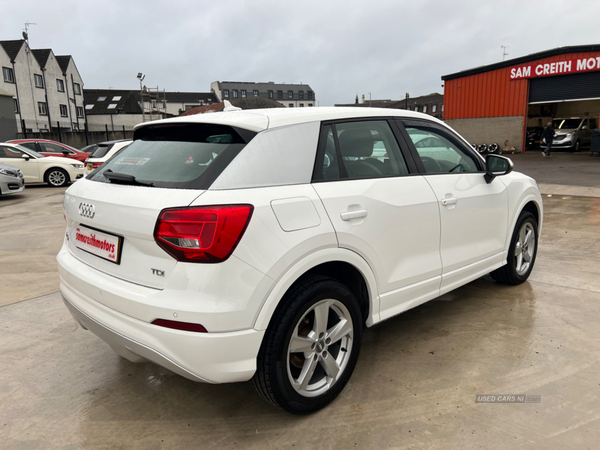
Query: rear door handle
x=354, y=214
x=449, y=201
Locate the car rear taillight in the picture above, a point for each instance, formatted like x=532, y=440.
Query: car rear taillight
x=203, y=234
x=96, y=165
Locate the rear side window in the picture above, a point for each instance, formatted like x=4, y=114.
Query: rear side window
x=29, y=145
x=183, y=156
x=101, y=151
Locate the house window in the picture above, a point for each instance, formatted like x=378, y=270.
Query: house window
x=89, y=106
x=80, y=111
x=39, y=81
x=416, y=108
x=42, y=109
x=101, y=99
x=235, y=93
x=301, y=105
x=60, y=85
x=310, y=95
x=270, y=94
x=244, y=93
x=9, y=75
x=425, y=108
x=310, y=104
x=301, y=95
x=291, y=105
x=290, y=94
x=442, y=108
x=255, y=92
x=279, y=94
x=16, y=106
x=63, y=110
x=225, y=93
x=434, y=108
x=77, y=89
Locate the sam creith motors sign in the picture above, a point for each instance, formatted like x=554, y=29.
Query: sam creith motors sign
x=555, y=68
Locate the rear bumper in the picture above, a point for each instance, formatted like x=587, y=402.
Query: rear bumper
x=207, y=357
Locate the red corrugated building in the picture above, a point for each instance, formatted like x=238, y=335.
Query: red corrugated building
x=500, y=102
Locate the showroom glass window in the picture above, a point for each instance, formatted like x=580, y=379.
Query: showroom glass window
x=440, y=152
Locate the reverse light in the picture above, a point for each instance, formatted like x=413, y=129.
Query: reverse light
x=183, y=326
x=203, y=234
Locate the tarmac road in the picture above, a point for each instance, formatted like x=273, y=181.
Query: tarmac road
x=415, y=385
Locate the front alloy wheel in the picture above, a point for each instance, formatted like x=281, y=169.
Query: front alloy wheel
x=524, y=249
x=311, y=347
x=57, y=178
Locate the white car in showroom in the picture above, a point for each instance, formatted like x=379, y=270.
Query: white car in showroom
x=257, y=245
x=37, y=168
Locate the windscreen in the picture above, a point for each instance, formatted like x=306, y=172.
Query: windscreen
x=101, y=151
x=565, y=124
x=184, y=156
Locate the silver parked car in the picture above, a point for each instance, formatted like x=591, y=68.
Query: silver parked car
x=572, y=133
x=11, y=180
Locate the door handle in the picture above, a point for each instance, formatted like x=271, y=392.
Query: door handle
x=449, y=201
x=354, y=214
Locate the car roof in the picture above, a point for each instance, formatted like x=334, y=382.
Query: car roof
x=262, y=119
x=112, y=142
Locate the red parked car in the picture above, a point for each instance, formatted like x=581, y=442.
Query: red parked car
x=51, y=148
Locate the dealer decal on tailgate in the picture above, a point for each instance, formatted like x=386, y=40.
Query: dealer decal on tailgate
x=104, y=245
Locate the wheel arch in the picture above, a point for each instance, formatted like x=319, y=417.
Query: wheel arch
x=531, y=203
x=340, y=264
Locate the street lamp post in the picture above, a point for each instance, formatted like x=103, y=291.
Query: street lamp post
x=141, y=77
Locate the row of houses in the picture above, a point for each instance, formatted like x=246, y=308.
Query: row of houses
x=432, y=104
x=47, y=89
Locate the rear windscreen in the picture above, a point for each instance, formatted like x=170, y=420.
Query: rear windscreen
x=184, y=156
x=101, y=151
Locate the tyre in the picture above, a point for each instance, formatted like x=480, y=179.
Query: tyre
x=311, y=346
x=522, y=252
x=57, y=177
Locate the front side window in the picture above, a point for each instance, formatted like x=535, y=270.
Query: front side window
x=60, y=85
x=188, y=156
x=39, y=81
x=366, y=149
x=49, y=147
x=439, y=152
x=77, y=88
x=63, y=110
x=8, y=74
x=42, y=108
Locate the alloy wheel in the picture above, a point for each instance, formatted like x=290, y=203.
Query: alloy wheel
x=57, y=178
x=320, y=348
x=524, y=248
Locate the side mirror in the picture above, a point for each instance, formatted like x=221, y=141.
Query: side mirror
x=584, y=127
x=495, y=166
x=25, y=156
x=66, y=152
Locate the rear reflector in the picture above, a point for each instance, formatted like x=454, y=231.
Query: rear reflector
x=184, y=326
x=203, y=234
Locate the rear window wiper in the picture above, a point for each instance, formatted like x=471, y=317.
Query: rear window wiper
x=123, y=178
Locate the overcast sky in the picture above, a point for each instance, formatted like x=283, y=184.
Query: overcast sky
x=339, y=48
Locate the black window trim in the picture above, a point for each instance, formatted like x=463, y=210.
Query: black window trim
x=400, y=141
x=401, y=123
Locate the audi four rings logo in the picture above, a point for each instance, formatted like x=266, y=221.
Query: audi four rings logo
x=87, y=210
